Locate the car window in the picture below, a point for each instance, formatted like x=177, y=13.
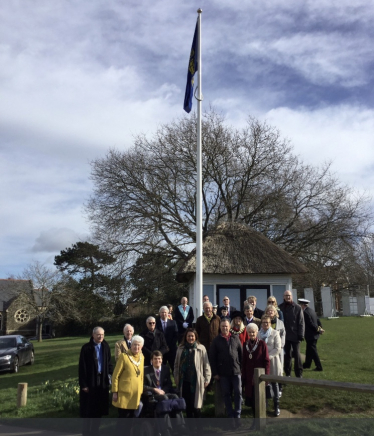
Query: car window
x=7, y=343
x=19, y=340
x=24, y=340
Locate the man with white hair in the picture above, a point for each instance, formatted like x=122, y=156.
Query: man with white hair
x=170, y=330
x=153, y=340
x=124, y=344
x=184, y=317
x=95, y=370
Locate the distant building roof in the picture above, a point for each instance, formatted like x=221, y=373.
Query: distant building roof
x=10, y=288
x=234, y=248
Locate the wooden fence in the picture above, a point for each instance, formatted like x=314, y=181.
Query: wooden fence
x=260, y=395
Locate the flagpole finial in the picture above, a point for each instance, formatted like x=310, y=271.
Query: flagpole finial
x=199, y=11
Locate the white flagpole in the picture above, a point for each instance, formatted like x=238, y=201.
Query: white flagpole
x=199, y=215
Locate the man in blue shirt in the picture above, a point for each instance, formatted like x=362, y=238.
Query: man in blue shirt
x=95, y=370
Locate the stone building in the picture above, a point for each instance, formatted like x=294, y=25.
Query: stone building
x=14, y=317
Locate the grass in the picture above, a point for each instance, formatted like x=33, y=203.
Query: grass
x=345, y=350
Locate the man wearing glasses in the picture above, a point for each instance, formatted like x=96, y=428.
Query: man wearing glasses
x=295, y=329
x=226, y=304
x=153, y=340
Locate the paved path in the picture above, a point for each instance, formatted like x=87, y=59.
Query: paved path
x=10, y=430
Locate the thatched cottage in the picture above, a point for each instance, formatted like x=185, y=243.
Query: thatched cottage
x=238, y=262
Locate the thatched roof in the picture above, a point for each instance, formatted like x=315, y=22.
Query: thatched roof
x=234, y=248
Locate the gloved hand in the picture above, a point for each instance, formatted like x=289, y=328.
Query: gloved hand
x=185, y=325
x=301, y=338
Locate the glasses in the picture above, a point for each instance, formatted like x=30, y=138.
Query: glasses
x=271, y=301
x=225, y=299
x=151, y=323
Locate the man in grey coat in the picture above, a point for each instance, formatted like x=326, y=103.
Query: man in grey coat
x=295, y=328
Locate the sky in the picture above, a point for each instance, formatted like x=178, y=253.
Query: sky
x=79, y=77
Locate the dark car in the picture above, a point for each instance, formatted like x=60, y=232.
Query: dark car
x=15, y=351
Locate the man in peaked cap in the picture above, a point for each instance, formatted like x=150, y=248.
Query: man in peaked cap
x=313, y=328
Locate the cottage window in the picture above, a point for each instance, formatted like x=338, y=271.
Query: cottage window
x=21, y=316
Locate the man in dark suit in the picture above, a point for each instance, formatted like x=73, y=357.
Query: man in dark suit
x=95, y=370
x=295, y=329
x=184, y=317
x=226, y=304
x=158, y=385
x=170, y=330
x=313, y=328
x=157, y=379
x=153, y=340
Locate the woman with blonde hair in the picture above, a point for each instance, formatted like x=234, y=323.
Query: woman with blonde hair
x=273, y=342
x=272, y=301
x=238, y=327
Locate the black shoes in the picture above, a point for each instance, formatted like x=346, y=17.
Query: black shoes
x=317, y=369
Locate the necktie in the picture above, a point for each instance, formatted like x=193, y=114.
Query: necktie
x=129, y=344
x=158, y=377
x=164, y=323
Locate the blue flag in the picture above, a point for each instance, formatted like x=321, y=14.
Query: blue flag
x=192, y=68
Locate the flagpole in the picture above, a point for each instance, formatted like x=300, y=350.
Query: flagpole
x=199, y=215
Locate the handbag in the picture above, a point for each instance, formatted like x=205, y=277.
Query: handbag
x=138, y=410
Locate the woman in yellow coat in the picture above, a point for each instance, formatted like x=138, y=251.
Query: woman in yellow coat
x=127, y=379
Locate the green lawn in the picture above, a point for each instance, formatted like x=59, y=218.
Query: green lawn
x=345, y=349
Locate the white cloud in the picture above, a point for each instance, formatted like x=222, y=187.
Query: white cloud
x=341, y=134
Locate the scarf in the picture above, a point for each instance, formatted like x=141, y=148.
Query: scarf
x=208, y=319
x=187, y=369
x=184, y=312
x=265, y=335
x=235, y=331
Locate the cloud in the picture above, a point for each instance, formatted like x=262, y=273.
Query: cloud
x=80, y=77
x=54, y=240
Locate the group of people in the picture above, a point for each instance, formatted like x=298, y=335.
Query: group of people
x=224, y=347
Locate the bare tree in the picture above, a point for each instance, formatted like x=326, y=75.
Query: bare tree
x=39, y=300
x=144, y=198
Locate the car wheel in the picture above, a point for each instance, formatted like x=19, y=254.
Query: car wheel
x=15, y=365
x=32, y=358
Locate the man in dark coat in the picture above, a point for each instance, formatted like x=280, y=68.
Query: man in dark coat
x=226, y=304
x=184, y=317
x=294, y=325
x=207, y=326
x=313, y=328
x=225, y=356
x=95, y=370
x=170, y=330
x=153, y=340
